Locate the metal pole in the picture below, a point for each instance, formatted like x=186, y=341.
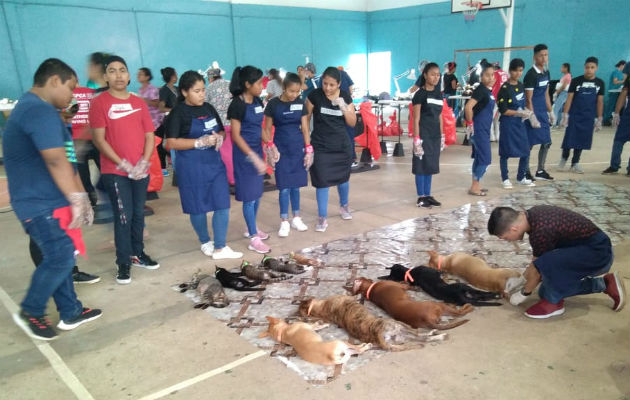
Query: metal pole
x=509, y=24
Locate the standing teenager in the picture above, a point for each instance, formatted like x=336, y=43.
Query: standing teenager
x=123, y=133
x=246, y=116
x=561, y=93
x=582, y=114
x=428, y=139
x=537, y=100
x=291, y=139
x=332, y=111
x=195, y=132
x=479, y=111
x=621, y=121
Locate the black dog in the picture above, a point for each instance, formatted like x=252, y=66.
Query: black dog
x=430, y=280
x=232, y=281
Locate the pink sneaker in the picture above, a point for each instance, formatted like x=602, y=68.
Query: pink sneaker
x=262, y=235
x=258, y=246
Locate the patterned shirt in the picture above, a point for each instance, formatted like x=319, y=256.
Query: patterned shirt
x=218, y=94
x=152, y=93
x=552, y=226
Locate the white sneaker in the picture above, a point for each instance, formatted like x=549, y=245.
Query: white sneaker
x=226, y=253
x=345, y=212
x=285, y=229
x=507, y=184
x=297, y=223
x=576, y=169
x=526, y=182
x=562, y=164
x=321, y=225
x=207, y=248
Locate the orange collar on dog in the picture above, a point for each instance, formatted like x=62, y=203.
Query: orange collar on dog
x=408, y=277
x=439, y=263
x=367, y=293
x=310, y=307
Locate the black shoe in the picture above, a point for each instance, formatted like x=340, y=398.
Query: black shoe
x=37, y=328
x=528, y=175
x=609, y=171
x=543, y=175
x=423, y=202
x=433, y=202
x=465, y=142
x=144, y=261
x=83, y=277
x=86, y=315
x=123, y=276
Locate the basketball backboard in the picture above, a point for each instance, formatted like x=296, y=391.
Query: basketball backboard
x=458, y=6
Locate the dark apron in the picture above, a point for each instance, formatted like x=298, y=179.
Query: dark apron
x=513, y=140
x=288, y=138
x=623, y=130
x=540, y=135
x=431, y=139
x=579, y=132
x=201, y=175
x=248, y=184
x=480, y=140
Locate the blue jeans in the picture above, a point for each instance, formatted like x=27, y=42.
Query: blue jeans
x=478, y=170
x=250, y=210
x=558, y=106
x=127, y=197
x=423, y=185
x=283, y=198
x=322, y=198
x=53, y=275
x=523, y=164
x=615, y=156
x=220, y=219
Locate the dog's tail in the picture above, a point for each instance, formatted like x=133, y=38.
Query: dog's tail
x=450, y=325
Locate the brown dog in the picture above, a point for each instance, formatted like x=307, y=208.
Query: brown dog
x=393, y=298
x=475, y=271
x=309, y=345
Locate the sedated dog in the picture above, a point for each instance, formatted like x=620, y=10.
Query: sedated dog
x=209, y=290
x=430, y=280
x=475, y=271
x=309, y=345
x=356, y=319
x=234, y=281
x=393, y=298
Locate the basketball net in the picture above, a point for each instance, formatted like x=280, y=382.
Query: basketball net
x=472, y=9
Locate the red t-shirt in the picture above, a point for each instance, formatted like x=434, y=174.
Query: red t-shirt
x=80, y=121
x=125, y=122
x=500, y=77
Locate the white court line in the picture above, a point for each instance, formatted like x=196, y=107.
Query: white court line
x=64, y=372
x=204, y=376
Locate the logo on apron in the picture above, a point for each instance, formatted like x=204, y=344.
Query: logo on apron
x=329, y=111
x=296, y=107
x=208, y=125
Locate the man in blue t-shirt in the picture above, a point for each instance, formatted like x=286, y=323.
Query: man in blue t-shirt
x=311, y=82
x=45, y=189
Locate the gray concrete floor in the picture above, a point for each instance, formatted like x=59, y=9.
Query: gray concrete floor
x=150, y=337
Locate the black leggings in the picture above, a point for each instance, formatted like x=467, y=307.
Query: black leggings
x=576, y=155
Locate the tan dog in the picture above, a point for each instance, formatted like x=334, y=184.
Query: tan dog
x=309, y=345
x=475, y=271
x=393, y=298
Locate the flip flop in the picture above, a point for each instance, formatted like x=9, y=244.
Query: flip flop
x=470, y=192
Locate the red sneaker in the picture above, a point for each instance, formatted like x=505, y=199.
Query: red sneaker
x=545, y=309
x=616, y=290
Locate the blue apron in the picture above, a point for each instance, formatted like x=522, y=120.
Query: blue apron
x=288, y=138
x=249, y=185
x=482, y=123
x=623, y=130
x=579, y=132
x=201, y=174
x=513, y=141
x=540, y=135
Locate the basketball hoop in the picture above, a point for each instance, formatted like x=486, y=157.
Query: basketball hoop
x=471, y=8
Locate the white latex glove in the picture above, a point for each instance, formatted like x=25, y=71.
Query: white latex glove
x=308, y=156
x=341, y=103
x=442, y=142
x=418, y=151
x=82, y=212
x=517, y=298
x=259, y=164
x=552, y=118
x=219, y=141
x=565, y=120
x=533, y=120
x=141, y=170
x=272, y=153
x=598, y=124
x=124, y=166
x=205, y=141
x=470, y=130
x=555, y=96
x=615, y=119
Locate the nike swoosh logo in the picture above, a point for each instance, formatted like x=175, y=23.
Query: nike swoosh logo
x=117, y=115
